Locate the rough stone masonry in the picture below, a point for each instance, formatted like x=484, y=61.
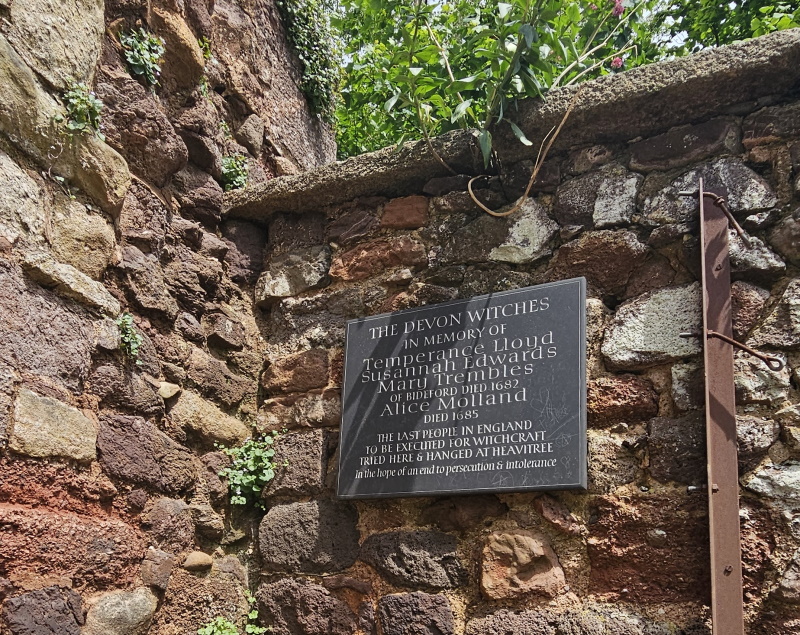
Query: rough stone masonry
x=392, y=230
x=113, y=517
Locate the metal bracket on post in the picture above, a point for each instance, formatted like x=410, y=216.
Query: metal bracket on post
x=773, y=362
x=727, y=609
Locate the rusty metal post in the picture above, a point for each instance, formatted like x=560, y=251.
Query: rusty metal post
x=723, y=470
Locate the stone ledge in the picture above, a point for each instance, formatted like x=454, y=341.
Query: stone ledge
x=643, y=101
x=386, y=172
x=651, y=99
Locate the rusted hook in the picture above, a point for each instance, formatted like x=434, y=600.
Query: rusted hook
x=723, y=205
x=773, y=363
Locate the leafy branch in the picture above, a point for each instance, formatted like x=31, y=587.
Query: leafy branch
x=452, y=64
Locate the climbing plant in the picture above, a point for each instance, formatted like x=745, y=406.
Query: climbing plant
x=205, y=45
x=252, y=628
x=223, y=626
x=309, y=29
x=218, y=626
x=129, y=338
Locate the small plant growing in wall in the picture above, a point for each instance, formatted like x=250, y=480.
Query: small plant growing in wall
x=129, y=339
x=234, y=172
x=205, y=46
x=83, y=110
x=143, y=52
x=252, y=467
x=222, y=626
x=218, y=626
x=252, y=615
x=225, y=129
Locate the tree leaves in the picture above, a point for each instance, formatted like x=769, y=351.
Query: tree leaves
x=460, y=110
x=519, y=134
x=455, y=64
x=485, y=142
x=428, y=58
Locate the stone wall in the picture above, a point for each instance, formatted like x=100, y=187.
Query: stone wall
x=108, y=469
x=113, y=517
x=391, y=230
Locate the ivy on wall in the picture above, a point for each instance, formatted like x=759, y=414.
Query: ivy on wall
x=310, y=34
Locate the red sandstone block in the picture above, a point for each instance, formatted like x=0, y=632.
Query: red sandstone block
x=770, y=125
x=649, y=549
x=622, y=398
x=315, y=409
x=409, y=212
x=374, y=257
x=299, y=372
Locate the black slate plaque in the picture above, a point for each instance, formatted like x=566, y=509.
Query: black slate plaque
x=485, y=394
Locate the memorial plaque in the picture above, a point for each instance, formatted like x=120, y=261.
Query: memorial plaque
x=485, y=394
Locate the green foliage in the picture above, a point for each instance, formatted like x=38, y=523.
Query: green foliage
x=143, y=52
x=252, y=615
x=251, y=468
x=218, y=626
x=440, y=65
x=222, y=626
x=437, y=65
x=129, y=339
x=309, y=31
x=234, y=172
x=775, y=17
x=83, y=110
x=205, y=46
x=65, y=187
x=686, y=26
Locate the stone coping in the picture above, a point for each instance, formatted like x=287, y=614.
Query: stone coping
x=616, y=108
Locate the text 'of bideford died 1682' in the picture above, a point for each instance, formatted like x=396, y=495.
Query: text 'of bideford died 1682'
x=485, y=394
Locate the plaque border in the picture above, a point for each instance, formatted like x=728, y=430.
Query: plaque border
x=582, y=482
